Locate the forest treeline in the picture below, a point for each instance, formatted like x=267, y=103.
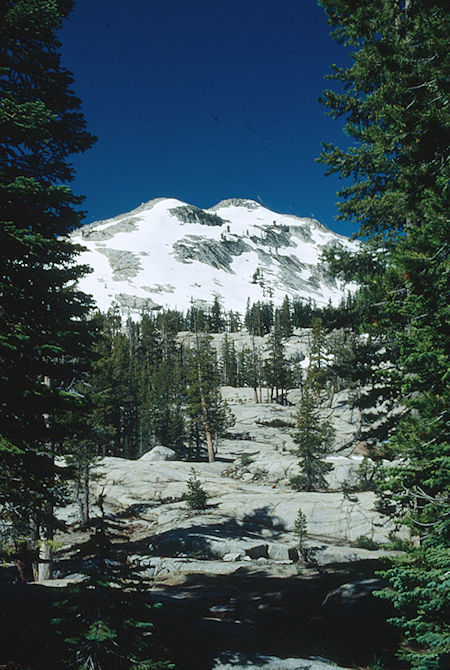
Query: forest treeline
x=260, y=317
x=145, y=377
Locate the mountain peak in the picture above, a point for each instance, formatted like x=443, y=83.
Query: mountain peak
x=236, y=202
x=168, y=253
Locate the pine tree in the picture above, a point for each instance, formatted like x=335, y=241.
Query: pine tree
x=229, y=363
x=317, y=372
x=106, y=620
x=285, y=318
x=216, y=319
x=394, y=98
x=85, y=427
x=251, y=369
x=209, y=415
x=43, y=330
x=276, y=368
x=314, y=439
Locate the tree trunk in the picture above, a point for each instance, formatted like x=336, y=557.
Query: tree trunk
x=45, y=529
x=24, y=562
x=332, y=392
x=45, y=564
x=83, y=495
x=209, y=442
x=45, y=556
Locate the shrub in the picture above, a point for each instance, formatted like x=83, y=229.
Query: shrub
x=276, y=423
x=245, y=460
x=300, y=529
x=298, y=482
x=196, y=495
x=364, y=542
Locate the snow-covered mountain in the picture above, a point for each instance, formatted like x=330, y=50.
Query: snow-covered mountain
x=171, y=254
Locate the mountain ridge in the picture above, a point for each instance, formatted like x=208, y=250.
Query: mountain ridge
x=168, y=253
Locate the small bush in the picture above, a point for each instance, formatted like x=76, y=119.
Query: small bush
x=245, y=460
x=308, y=554
x=196, y=496
x=397, y=543
x=298, y=482
x=300, y=529
x=276, y=423
x=364, y=542
x=369, y=475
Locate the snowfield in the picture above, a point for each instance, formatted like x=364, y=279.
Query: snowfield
x=166, y=253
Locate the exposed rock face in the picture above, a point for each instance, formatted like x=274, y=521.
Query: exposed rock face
x=95, y=234
x=233, y=565
x=134, y=303
x=235, y=202
x=189, y=214
x=252, y=508
x=201, y=253
x=124, y=264
x=218, y=254
x=353, y=595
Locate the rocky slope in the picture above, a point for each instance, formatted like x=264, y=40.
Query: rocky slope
x=168, y=253
x=232, y=578
x=251, y=506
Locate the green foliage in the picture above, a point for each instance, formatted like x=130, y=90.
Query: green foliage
x=308, y=554
x=230, y=368
x=44, y=333
x=377, y=664
x=277, y=422
x=317, y=373
x=394, y=99
x=276, y=367
x=284, y=318
x=314, y=439
x=138, y=382
x=196, y=495
x=300, y=527
x=207, y=320
x=259, y=318
x=251, y=368
x=364, y=542
x=106, y=621
x=420, y=587
x=245, y=460
x=368, y=475
x=208, y=414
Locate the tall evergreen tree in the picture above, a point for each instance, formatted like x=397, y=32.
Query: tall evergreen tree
x=209, y=415
x=314, y=439
x=251, y=369
x=317, y=372
x=394, y=98
x=229, y=362
x=276, y=368
x=43, y=330
x=285, y=317
x=216, y=318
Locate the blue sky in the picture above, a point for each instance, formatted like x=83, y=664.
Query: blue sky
x=204, y=100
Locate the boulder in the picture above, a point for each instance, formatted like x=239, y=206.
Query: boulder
x=258, y=551
x=159, y=453
x=282, y=552
x=239, y=662
x=352, y=594
x=232, y=557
